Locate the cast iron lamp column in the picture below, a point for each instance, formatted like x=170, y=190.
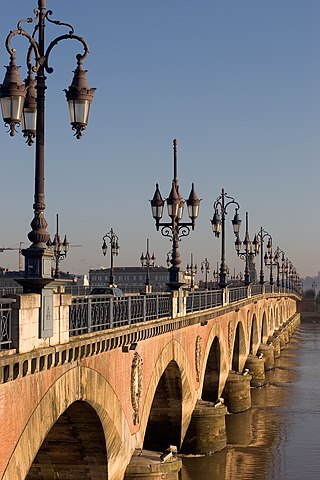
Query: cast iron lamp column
x=279, y=256
x=191, y=270
x=248, y=253
x=286, y=271
x=205, y=267
x=175, y=229
x=269, y=260
x=218, y=226
x=25, y=103
x=261, y=236
x=114, y=250
x=59, y=249
x=147, y=261
x=290, y=275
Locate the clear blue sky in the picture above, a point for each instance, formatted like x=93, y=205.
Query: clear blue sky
x=237, y=82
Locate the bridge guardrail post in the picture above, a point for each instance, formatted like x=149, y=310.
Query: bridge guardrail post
x=175, y=303
x=157, y=306
x=144, y=308
x=225, y=296
x=89, y=315
x=249, y=291
x=129, y=309
x=184, y=295
x=111, y=312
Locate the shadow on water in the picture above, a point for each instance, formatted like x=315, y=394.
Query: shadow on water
x=278, y=438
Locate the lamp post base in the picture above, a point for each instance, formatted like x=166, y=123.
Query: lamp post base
x=38, y=269
x=175, y=285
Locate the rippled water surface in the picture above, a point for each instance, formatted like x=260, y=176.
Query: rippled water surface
x=279, y=437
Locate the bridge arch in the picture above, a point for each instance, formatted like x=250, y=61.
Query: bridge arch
x=239, y=349
x=173, y=366
x=271, y=319
x=277, y=318
x=264, y=328
x=215, y=339
x=75, y=443
x=76, y=385
x=254, y=336
x=211, y=380
x=165, y=417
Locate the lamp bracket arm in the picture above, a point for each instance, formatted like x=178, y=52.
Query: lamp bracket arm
x=29, y=19
x=232, y=201
x=107, y=236
x=67, y=36
x=33, y=47
x=217, y=204
x=58, y=22
x=166, y=230
x=183, y=230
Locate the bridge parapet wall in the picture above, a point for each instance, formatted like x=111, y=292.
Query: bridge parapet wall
x=26, y=318
x=35, y=355
x=100, y=368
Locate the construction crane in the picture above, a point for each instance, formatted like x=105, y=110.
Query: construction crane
x=3, y=249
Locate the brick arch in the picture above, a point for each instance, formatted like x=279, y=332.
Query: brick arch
x=216, y=333
x=277, y=317
x=75, y=447
x=239, y=351
x=172, y=352
x=264, y=330
x=165, y=418
x=212, y=371
x=254, y=336
x=271, y=318
x=58, y=398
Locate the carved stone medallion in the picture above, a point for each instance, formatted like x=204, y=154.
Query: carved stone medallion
x=230, y=338
x=136, y=386
x=198, y=355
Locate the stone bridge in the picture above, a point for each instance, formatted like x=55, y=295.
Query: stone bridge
x=106, y=404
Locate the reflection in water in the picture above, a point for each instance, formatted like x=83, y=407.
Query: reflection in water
x=279, y=437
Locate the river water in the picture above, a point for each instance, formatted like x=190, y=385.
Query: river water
x=279, y=437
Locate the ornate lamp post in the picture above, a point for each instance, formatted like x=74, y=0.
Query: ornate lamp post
x=175, y=229
x=147, y=261
x=248, y=252
x=59, y=249
x=25, y=103
x=269, y=260
x=114, y=250
x=215, y=274
x=191, y=270
x=260, y=237
x=291, y=272
x=279, y=256
x=286, y=271
x=218, y=226
x=205, y=267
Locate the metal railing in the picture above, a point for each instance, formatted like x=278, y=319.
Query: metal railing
x=5, y=323
x=256, y=289
x=237, y=293
x=202, y=300
x=93, y=313
x=10, y=291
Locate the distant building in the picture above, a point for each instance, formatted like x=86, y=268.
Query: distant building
x=131, y=279
x=8, y=283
